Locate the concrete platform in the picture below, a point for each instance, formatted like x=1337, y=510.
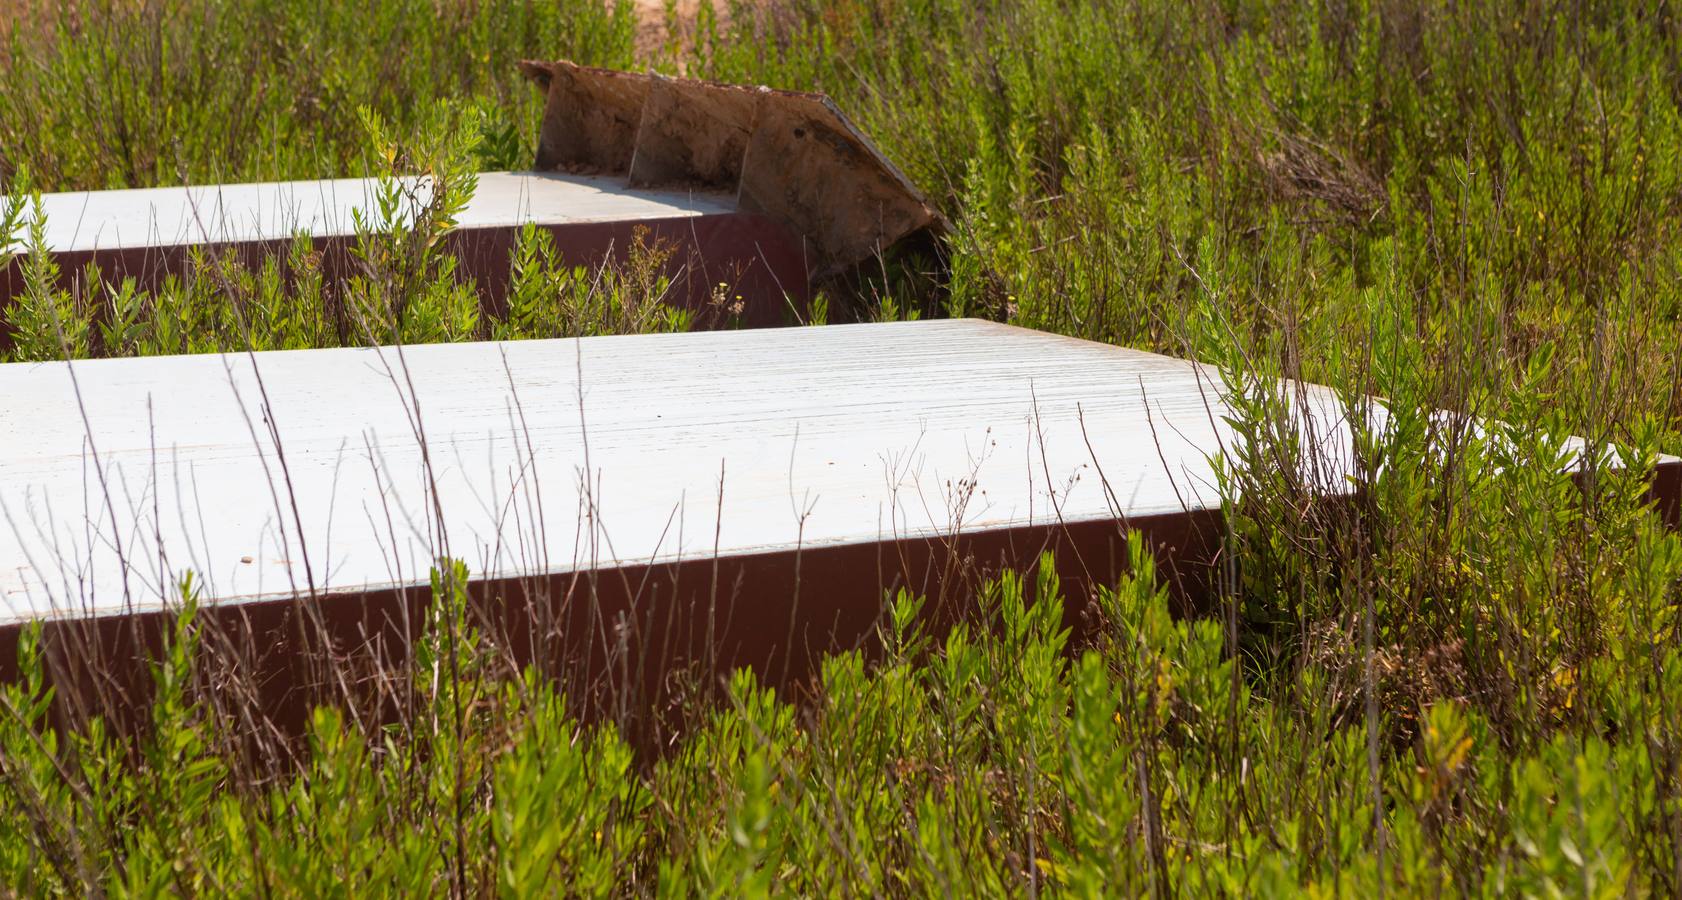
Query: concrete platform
x=274, y=211
x=150, y=234
x=822, y=437
x=742, y=498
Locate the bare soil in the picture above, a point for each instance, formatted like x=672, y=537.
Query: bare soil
x=652, y=31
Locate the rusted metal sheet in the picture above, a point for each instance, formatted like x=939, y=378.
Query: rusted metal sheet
x=590, y=117
x=693, y=134
x=151, y=234
x=632, y=507
x=792, y=156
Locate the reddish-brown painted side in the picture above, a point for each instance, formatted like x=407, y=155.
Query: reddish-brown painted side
x=1666, y=493
x=755, y=259
x=624, y=640
x=620, y=639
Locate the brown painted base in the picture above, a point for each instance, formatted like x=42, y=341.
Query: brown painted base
x=751, y=255
x=629, y=644
x=626, y=643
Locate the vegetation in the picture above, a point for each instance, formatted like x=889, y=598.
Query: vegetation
x=1468, y=681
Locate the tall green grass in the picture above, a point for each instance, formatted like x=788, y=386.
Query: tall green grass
x=1341, y=185
x=1466, y=681
x=113, y=94
x=992, y=759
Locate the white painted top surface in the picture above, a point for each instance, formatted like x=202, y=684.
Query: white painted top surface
x=174, y=216
x=821, y=436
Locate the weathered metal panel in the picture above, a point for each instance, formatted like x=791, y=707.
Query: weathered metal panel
x=790, y=155
x=693, y=134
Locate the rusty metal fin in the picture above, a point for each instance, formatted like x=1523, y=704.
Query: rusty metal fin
x=791, y=156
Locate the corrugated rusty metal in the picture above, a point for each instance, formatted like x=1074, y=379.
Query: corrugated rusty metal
x=792, y=156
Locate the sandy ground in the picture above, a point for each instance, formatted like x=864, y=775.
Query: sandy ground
x=21, y=14
x=652, y=33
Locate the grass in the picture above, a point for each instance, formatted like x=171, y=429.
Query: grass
x=1466, y=682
